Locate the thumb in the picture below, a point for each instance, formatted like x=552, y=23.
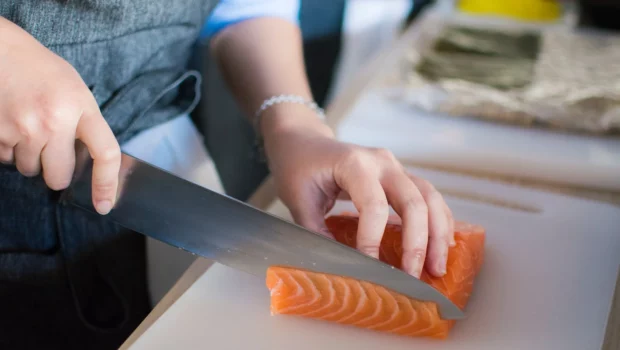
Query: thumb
x=309, y=212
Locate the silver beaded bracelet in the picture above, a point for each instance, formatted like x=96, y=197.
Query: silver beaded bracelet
x=277, y=100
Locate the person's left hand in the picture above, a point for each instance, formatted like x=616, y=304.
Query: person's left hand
x=311, y=169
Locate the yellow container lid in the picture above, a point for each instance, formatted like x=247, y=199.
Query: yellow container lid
x=531, y=10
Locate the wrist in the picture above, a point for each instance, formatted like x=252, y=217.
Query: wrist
x=292, y=118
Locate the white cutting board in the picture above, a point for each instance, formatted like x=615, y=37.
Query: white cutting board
x=474, y=145
x=547, y=283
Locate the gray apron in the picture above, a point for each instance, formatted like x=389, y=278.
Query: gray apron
x=68, y=279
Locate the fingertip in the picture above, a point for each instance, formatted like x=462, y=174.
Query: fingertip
x=415, y=272
x=104, y=198
x=57, y=185
x=437, y=260
x=413, y=263
x=104, y=187
x=371, y=251
x=440, y=268
x=450, y=240
x=325, y=232
x=104, y=206
x=451, y=233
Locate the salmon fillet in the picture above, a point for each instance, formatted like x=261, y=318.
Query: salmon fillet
x=363, y=304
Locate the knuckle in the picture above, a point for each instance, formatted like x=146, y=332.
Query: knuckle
x=104, y=188
x=53, y=121
x=439, y=235
x=416, y=205
x=417, y=252
x=434, y=197
x=376, y=207
x=385, y=154
x=110, y=153
x=425, y=184
x=357, y=159
x=27, y=125
x=57, y=111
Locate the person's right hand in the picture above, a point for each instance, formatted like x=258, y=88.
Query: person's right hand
x=44, y=107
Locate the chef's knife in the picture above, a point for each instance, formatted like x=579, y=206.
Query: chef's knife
x=203, y=222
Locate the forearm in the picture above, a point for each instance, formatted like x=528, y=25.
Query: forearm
x=263, y=57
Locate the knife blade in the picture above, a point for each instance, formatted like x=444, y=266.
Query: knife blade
x=160, y=205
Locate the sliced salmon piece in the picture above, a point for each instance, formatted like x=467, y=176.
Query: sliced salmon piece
x=359, y=303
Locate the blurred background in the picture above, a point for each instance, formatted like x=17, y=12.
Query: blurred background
x=340, y=36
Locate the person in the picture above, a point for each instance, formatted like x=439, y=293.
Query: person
x=102, y=72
